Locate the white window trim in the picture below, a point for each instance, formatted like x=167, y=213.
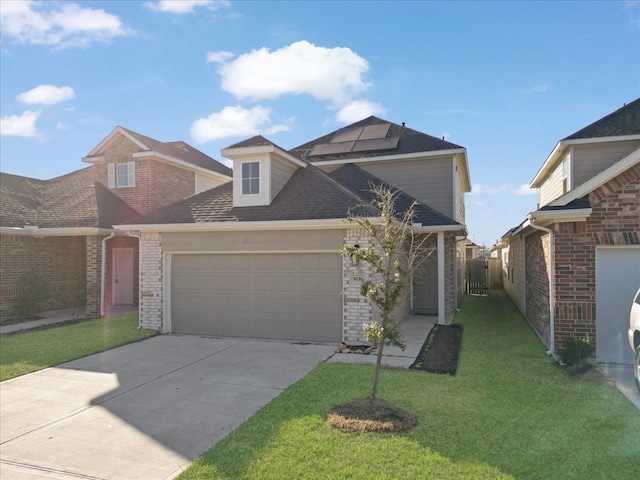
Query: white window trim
x=113, y=177
x=242, y=179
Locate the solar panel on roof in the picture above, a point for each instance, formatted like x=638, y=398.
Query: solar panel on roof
x=375, y=131
x=375, y=144
x=349, y=135
x=331, y=148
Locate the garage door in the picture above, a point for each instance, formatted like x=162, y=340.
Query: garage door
x=279, y=296
x=617, y=280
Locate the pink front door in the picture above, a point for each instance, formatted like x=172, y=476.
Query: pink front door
x=123, y=276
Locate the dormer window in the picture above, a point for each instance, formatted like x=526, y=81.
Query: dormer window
x=121, y=175
x=251, y=178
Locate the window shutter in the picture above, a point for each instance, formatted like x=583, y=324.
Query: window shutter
x=132, y=174
x=111, y=175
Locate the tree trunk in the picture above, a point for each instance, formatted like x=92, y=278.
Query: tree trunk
x=376, y=371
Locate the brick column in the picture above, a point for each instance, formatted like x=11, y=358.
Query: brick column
x=94, y=271
x=151, y=298
x=357, y=309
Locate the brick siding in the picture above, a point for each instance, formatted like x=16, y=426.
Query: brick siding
x=537, y=283
x=151, y=278
x=60, y=260
x=615, y=220
x=157, y=184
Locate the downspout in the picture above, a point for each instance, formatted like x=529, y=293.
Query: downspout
x=139, y=283
x=552, y=307
x=103, y=273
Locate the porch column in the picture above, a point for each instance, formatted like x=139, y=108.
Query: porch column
x=441, y=286
x=93, y=275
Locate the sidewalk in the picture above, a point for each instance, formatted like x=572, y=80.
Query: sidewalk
x=415, y=329
x=55, y=317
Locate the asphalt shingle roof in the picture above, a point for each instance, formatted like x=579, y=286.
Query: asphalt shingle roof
x=70, y=201
x=624, y=121
x=310, y=194
x=182, y=151
x=410, y=141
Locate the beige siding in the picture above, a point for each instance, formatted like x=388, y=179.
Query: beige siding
x=515, y=282
x=459, y=198
x=205, y=182
x=280, y=174
x=591, y=159
x=428, y=180
x=552, y=186
x=253, y=241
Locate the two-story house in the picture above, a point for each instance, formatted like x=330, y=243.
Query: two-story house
x=62, y=228
x=573, y=265
x=259, y=256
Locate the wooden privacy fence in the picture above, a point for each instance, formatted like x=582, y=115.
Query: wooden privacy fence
x=482, y=274
x=477, y=273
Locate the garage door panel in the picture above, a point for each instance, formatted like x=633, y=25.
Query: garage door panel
x=617, y=280
x=284, y=296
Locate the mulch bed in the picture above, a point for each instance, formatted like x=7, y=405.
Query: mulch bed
x=441, y=350
x=366, y=416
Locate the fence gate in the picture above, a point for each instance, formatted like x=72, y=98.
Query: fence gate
x=477, y=269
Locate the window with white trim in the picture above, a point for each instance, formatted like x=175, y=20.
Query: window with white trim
x=251, y=178
x=121, y=175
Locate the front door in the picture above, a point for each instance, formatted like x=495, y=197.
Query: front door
x=123, y=276
x=425, y=287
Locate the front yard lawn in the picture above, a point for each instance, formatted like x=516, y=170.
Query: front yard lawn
x=509, y=413
x=30, y=351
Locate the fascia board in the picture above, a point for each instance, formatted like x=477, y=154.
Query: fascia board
x=562, y=144
x=333, y=223
x=387, y=158
x=93, y=159
x=598, y=180
x=111, y=136
x=467, y=176
x=55, y=232
x=181, y=163
x=440, y=228
x=233, y=153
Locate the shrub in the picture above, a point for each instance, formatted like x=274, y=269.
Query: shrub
x=577, y=349
x=33, y=290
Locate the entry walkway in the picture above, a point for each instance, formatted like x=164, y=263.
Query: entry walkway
x=55, y=317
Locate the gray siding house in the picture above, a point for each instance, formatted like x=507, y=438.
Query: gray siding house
x=259, y=256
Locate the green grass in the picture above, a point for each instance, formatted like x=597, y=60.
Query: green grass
x=509, y=413
x=27, y=352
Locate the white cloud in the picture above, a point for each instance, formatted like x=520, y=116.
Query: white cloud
x=542, y=88
x=233, y=122
x=525, y=190
x=218, y=57
x=359, y=109
x=63, y=25
x=181, y=7
x=328, y=74
x=46, y=95
x=19, y=126
x=486, y=190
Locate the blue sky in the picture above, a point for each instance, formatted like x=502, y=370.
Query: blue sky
x=505, y=80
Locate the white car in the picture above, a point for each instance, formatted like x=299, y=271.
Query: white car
x=634, y=336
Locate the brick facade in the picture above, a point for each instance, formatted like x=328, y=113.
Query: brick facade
x=151, y=281
x=537, y=284
x=157, y=184
x=60, y=260
x=615, y=220
x=93, y=274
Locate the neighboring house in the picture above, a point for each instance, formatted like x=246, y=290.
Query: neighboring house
x=472, y=250
x=63, y=228
x=259, y=257
x=573, y=265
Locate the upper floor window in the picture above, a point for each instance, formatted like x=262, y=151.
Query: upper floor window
x=250, y=178
x=121, y=175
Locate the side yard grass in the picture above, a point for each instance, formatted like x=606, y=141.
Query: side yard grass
x=509, y=413
x=27, y=352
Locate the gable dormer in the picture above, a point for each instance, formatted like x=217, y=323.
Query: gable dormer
x=260, y=170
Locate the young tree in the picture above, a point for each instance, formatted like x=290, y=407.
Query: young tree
x=397, y=250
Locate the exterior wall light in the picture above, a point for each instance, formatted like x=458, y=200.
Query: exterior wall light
x=355, y=261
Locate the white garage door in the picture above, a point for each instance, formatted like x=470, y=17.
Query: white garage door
x=279, y=296
x=617, y=280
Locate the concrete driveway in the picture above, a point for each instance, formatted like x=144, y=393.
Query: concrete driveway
x=142, y=411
